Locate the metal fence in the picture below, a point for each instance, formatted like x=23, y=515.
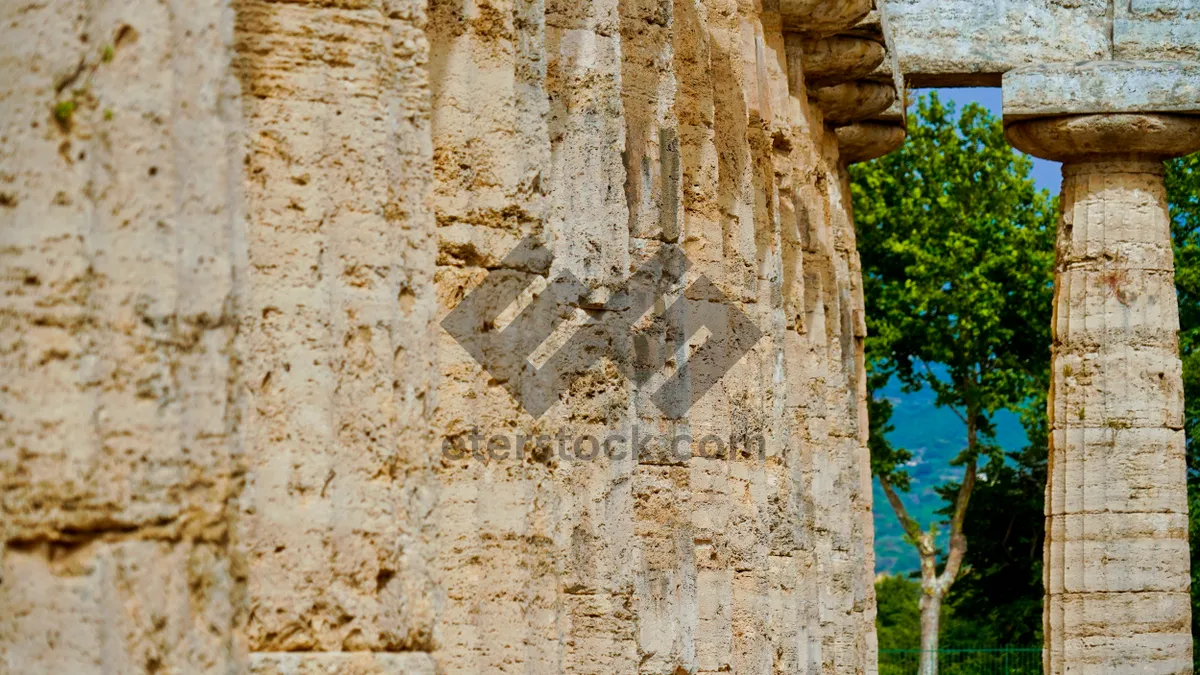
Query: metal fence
x=1001, y=661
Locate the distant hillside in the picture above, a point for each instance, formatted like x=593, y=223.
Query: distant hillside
x=934, y=436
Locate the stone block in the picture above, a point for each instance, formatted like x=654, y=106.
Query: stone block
x=1100, y=86
x=1116, y=471
x=970, y=43
x=1157, y=29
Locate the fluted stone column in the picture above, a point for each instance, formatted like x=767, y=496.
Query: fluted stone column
x=1116, y=552
x=844, y=82
x=120, y=453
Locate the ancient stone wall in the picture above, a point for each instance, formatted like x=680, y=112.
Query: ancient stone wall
x=229, y=235
x=121, y=230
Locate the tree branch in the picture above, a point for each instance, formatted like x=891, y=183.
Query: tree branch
x=910, y=526
x=958, y=541
x=963, y=498
x=929, y=372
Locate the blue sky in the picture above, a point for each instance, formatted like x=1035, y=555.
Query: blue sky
x=1046, y=174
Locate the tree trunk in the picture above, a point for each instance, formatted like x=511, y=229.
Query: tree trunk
x=934, y=586
x=931, y=609
x=933, y=591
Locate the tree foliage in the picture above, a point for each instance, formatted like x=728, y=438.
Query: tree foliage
x=1000, y=590
x=957, y=250
x=897, y=619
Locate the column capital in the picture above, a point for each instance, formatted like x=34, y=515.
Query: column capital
x=850, y=75
x=835, y=59
x=851, y=102
x=864, y=141
x=1078, y=138
x=823, y=17
x=1091, y=109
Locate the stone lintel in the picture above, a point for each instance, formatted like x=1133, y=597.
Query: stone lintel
x=971, y=43
x=1157, y=29
x=1099, y=87
x=951, y=80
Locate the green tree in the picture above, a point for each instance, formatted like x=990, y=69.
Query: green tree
x=957, y=251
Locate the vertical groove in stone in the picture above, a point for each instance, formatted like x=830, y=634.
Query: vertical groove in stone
x=1116, y=512
x=665, y=589
x=337, y=327
x=782, y=433
x=503, y=554
x=845, y=568
x=860, y=459
x=703, y=242
x=771, y=137
x=743, y=560
x=118, y=418
x=589, y=218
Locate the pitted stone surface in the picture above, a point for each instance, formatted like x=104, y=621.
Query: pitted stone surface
x=1157, y=29
x=222, y=437
x=120, y=258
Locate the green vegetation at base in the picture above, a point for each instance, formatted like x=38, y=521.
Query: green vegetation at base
x=972, y=644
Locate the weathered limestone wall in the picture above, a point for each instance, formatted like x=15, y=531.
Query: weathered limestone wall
x=121, y=247
x=610, y=131
x=224, y=274
x=336, y=334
